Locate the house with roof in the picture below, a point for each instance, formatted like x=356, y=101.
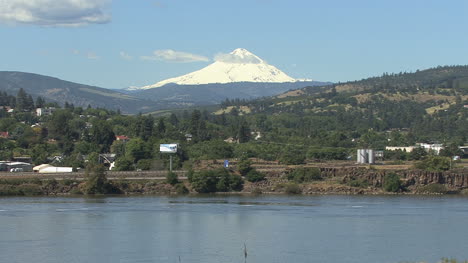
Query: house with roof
x=122, y=138
x=4, y=135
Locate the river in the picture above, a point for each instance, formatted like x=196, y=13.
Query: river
x=214, y=229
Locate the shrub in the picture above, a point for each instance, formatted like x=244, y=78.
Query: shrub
x=171, y=178
x=76, y=191
x=124, y=164
x=392, y=183
x=68, y=182
x=433, y=189
x=212, y=149
x=30, y=189
x=190, y=174
x=96, y=181
x=300, y=175
x=181, y=189
x=244, y=167
x=292, y=189
x=256, y=191
x=292, y=156
x=236, y=183
x=204, y=181
x=327, y=153
x=361, y=183
x=7, y=190
x=144, y=164
x=219, y=180
x=50, y=183
x=254, y=176
x=434, y=164
x=20, y=181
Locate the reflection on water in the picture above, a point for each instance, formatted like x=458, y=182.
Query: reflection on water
x=215, y=228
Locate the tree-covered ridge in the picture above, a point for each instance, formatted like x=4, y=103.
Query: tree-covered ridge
x=60, y=91
x=322, y=124
x=425, y=106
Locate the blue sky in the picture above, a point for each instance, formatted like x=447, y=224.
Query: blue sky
x=112, y=43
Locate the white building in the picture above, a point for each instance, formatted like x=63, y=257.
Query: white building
x=436, y=148
x=45, y=111
x=52, y=169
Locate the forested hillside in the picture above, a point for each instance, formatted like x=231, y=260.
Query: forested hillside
x=422, y=106
x=311, y=123
x=60, y=91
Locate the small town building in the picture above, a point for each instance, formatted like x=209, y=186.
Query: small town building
x=231, y=140
x=4, y=135
x=53, y=169
x=44, y=111
x=39, y=167
x=19, y=167
x=431, y=147
x=407, y=149
x=122, y=138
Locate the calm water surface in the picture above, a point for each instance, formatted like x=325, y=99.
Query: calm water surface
x=214, y=229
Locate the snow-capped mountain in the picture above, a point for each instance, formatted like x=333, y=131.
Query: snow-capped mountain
x=238, y=66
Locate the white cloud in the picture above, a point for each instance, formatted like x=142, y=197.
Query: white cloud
x=125, y=55
x=88, y=54
x=91, y=55
x=55, y=12
x=232, y=58
x=170, y=55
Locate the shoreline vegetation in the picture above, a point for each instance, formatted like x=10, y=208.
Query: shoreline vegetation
x=243, y=178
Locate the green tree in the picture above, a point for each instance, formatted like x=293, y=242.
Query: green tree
x=292, y=155
x=22, y=100
x=144, y=164
x=243, y=133
x=173, y=119
x=301, y=175
x=451, y=150
x=102, y=134
x=244, y=166
x=254, y=176
x=434, y=163
x=161, y=127
x=96, y=181
x=124, y=163
x=392, y=183
x=172, y=178
x=40, y=102
x=205, y=181
x=418, y=153
x=137, y=149
x=219, y=180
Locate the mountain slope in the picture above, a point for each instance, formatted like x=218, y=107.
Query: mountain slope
x=237, y=75
x=61, y=91
x=173, y=95
x=238, y=66
x=391, y=110
x=431, y=90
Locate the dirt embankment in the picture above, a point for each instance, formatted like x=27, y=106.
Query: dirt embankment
x=335, y=180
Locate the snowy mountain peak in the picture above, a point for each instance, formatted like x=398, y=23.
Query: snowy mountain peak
x=246, y=55
x=238, y=66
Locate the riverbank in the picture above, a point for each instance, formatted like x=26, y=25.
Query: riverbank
x=332, y=182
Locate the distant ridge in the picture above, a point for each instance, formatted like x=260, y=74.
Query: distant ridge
x=61, y=91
